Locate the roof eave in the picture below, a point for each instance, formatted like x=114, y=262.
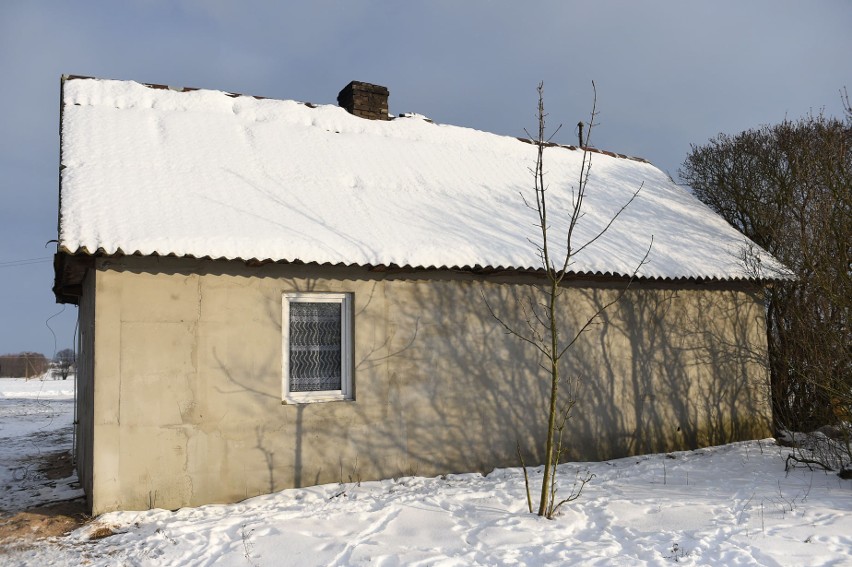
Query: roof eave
x=70, y=267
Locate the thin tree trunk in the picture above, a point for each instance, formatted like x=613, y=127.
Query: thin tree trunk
x=554, y=390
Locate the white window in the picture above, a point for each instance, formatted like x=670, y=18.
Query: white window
x=317, y=347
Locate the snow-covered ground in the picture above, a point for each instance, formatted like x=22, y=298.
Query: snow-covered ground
x=728, y=505
x=36, y=419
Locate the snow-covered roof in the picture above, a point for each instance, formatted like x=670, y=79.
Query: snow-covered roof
x=206, y=173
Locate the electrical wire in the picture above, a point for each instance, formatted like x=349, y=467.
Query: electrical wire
x=25, y=262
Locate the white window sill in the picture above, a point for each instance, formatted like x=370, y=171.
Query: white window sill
x=316, y=397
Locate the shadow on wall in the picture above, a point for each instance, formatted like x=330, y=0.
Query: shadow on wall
x=441, y=388
x=671, y=370
x=663, y=370
x=459, y=396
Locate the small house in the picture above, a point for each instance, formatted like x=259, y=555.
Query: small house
x=277, y=294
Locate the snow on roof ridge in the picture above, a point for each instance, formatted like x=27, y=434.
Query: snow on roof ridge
x=163, y=87
x=586, y=149
x=158, y=86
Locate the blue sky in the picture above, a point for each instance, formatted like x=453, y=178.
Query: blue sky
x=668, y=74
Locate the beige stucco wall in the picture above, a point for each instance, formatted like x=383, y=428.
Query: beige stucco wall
x=187, y=379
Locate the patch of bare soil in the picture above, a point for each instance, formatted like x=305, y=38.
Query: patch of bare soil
x=23, y=529
x=56, y=465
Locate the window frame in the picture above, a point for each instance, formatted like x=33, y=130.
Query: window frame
x=346, y=391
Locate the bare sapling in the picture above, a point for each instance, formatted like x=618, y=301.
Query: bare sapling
x=542, y=311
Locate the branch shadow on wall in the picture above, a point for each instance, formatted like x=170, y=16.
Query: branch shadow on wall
x=440, y=388
x=671, y=370
x=663, y=370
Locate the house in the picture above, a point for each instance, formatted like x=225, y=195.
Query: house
x=278, y=294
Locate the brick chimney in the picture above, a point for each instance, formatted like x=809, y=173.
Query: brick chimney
x=365, y=100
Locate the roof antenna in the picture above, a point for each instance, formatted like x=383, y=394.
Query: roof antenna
x=580, y=131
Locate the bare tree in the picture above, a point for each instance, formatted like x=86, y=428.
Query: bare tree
x=541, y=312
x=64, y=362
x=788, y=187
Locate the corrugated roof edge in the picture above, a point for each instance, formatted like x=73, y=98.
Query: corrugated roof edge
x=477, y=269
x=315, y=105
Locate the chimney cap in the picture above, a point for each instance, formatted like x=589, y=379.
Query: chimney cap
x=366, y=87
